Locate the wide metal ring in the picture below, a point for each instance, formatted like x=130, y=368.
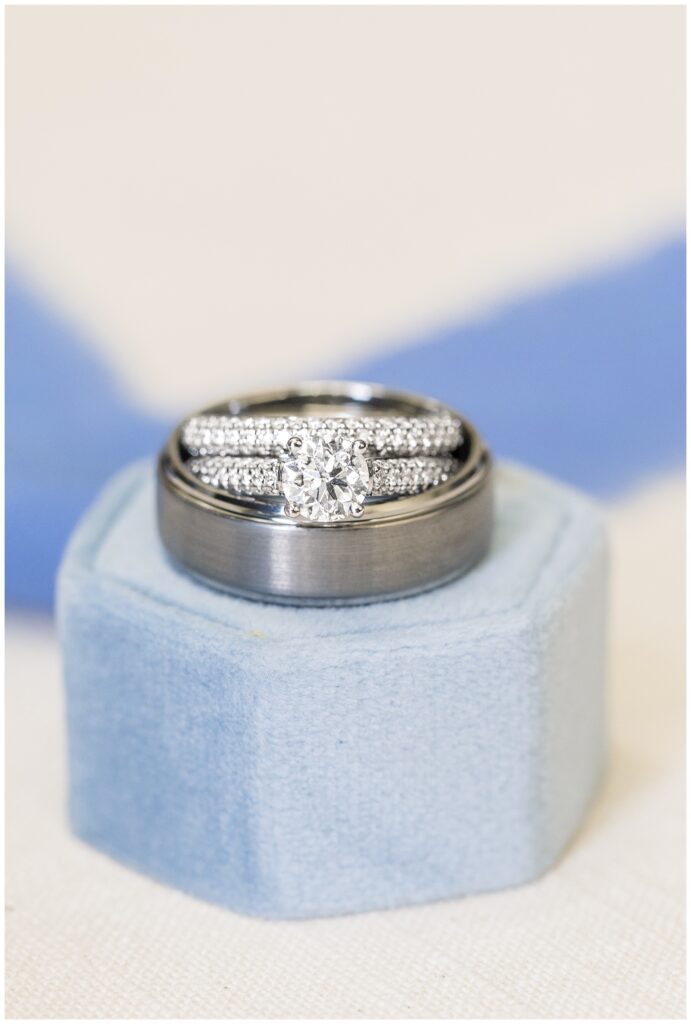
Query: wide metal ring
x=244, y=544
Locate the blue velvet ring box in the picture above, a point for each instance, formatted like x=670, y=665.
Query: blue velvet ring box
x=295, y=762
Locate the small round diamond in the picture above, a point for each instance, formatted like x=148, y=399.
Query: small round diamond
x=325, y=479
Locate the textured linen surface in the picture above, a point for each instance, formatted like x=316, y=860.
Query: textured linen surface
x=245, y=195
x=299, y=762
x=599, y=936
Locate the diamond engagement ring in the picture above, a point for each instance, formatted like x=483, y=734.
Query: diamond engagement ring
x=325, y=493
x=322, y=481
x=323, y=466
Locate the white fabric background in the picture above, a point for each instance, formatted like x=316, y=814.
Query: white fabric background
x=599, y=936
x=226, y=197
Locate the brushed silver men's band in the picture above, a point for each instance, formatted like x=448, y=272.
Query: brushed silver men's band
x=244, y=542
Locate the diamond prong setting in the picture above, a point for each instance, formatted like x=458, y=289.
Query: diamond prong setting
x=326, y=481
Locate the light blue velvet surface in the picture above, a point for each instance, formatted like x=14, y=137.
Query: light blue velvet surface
x=293, y=762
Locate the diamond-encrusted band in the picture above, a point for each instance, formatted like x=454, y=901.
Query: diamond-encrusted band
x=262, y=476
x=268, y=435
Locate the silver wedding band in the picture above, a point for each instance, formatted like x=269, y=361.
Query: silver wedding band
x=325, y=493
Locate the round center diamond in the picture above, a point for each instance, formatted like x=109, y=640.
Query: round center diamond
x=323, y=480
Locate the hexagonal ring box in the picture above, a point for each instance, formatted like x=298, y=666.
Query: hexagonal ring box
x=296, y=761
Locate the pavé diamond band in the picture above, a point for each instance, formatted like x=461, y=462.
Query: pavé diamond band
x=268, y=435
x=343, y=493
x=254, y=475
x=322, y=465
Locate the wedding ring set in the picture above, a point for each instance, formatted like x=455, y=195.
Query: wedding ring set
x=326, y=468
x=325, y=493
